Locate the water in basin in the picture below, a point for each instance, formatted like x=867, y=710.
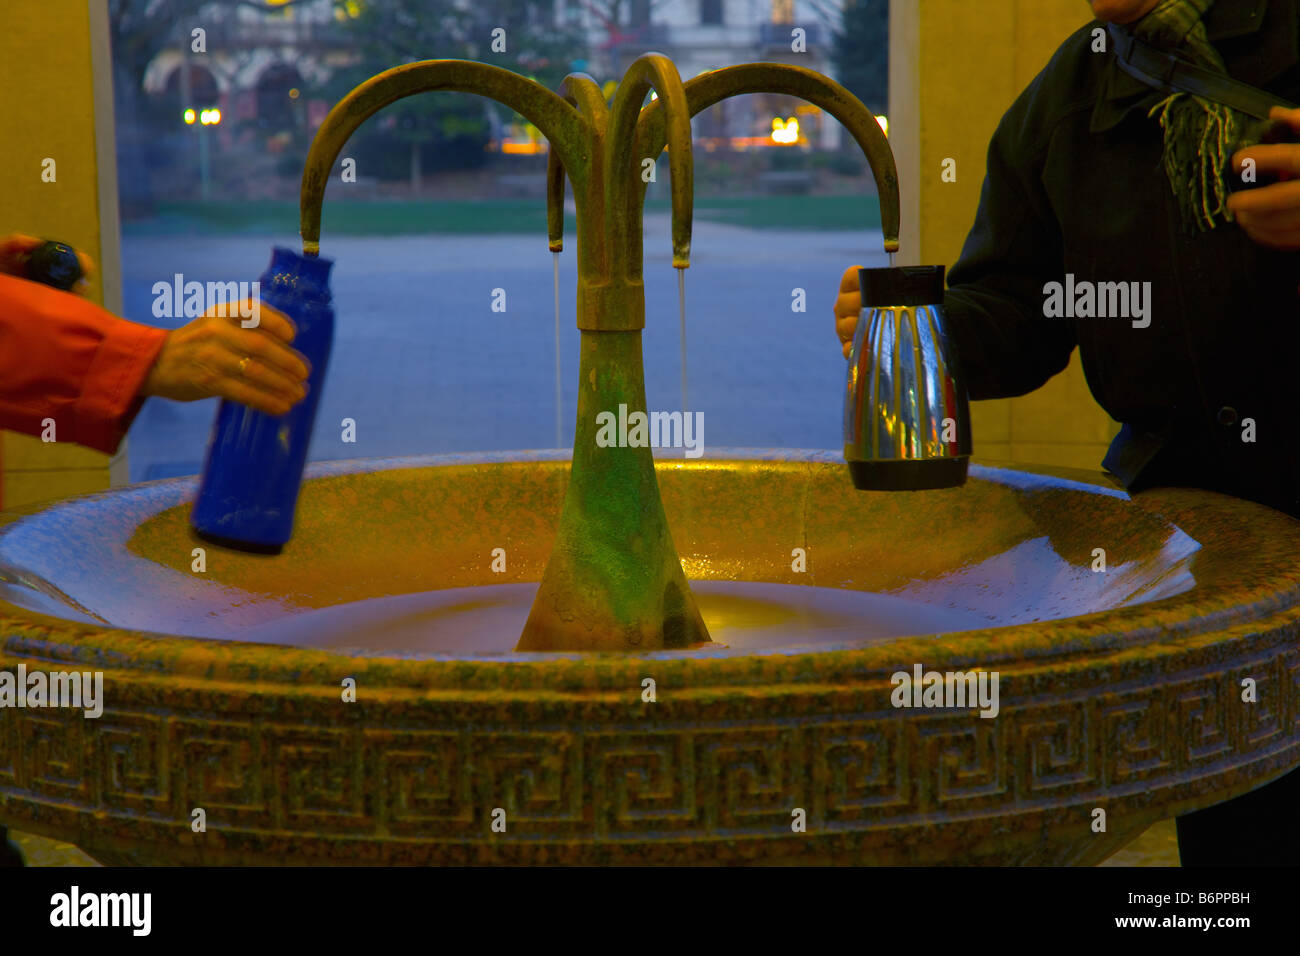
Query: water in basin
x=742, y=615
x=373, y=572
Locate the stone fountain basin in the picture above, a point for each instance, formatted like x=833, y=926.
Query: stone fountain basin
x=1118, y=689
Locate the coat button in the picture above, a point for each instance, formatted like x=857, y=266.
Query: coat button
x=1227, y=415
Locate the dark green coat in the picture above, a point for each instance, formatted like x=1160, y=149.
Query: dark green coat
x=1075, y=185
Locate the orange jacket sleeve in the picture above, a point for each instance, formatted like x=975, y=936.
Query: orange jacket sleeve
x=65, y=358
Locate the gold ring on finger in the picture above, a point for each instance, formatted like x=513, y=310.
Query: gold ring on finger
x=243, y=363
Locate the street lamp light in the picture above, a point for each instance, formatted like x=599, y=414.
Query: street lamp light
x=205, y=117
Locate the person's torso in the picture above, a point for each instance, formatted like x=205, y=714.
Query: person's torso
x=1216, y=365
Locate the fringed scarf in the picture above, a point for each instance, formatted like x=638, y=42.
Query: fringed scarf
x=1200, y=135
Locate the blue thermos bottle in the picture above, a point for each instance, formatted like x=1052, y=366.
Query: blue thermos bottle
x=255, y=462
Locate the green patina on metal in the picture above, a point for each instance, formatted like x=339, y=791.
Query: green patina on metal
x=614, y=580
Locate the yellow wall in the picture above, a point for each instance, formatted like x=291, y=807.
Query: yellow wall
x=47, y=79
x=955, y=68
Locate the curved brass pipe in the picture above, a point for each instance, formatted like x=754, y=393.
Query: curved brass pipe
x=717, y=85
x=614, y=579
x=581, y=91
x=648, y=71
x=559, y=122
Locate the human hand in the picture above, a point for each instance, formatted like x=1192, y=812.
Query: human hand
x=16, y=249
x=1270, y=215
x=213, y=356
x=848, y=306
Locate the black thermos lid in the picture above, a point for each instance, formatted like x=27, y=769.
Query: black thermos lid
x=903, y=285
x=54, y=263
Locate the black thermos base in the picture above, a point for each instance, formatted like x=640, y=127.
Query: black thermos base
x=917, y=474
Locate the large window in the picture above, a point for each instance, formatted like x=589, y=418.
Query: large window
x=443, y=282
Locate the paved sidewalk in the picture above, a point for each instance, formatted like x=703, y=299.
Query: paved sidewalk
x=424, y=365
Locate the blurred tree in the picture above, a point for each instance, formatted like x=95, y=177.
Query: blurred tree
x=444, y=131
x=861, y=51
x=420, y=133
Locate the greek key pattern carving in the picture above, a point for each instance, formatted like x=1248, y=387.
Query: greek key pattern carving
x=53, y=756
x=961, y=762
x=644, y=779
x=132, y=771
x=858, y=768
x=1053, y=752
x=217, y=767
x=425, y=778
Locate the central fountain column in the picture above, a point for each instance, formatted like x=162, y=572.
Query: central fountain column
x=614, y=581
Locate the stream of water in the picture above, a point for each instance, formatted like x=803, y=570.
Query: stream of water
x=681, y=312
x=559, y=401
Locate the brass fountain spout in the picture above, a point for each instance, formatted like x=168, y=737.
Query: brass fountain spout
x=614, y=580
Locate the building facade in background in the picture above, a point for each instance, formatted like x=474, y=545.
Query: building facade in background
x=261, y=82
